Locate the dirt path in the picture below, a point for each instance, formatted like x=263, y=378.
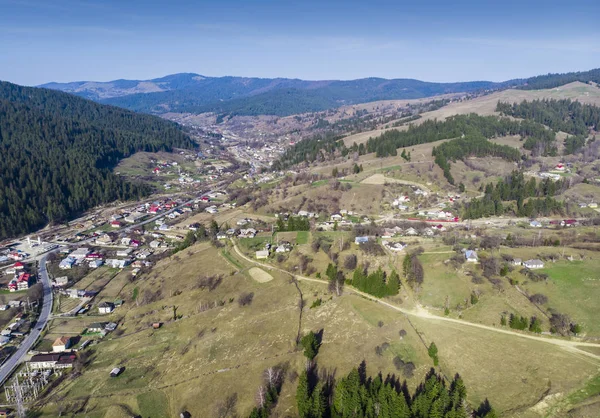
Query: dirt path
x=420, y=312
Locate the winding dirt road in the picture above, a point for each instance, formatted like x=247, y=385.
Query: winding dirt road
x=571, y=346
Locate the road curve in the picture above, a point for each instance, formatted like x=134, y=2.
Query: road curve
x=17, y=357
x=422, y=313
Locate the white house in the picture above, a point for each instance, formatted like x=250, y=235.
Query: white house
x=336, y=217
x=61, y=344
x=534, y=264
x=66, y=263
x=471, y=256
x=411, y=231
x=61, y=281
x=94, y=264
x=124, y=252
x=517, y=262
x=262, y=254
x=106, y=307
x=535, y=224
x=118, y=263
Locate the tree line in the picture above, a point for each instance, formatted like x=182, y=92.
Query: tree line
x=472, y=146
x=564, y=115
x=376, y=283
x=357, y=395
x=531, y=198
x=60, y=150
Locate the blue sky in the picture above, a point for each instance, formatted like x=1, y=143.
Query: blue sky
x=56, y=40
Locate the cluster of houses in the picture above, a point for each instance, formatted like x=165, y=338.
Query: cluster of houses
x=413, y=232
x=21, y=280
x=439, y=214
x=394, y=246
x=564, y=222
x=18, y=328
x=279, y=248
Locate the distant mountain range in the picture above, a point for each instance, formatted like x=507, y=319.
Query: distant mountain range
x=194, y=93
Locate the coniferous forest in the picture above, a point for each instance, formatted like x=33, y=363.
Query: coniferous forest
x=58, y=151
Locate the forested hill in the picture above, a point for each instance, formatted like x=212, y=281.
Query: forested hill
x=251, y=96
x=58, y=151
x=549, y=81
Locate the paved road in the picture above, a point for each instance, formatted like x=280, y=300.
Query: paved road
x=571, y=346
x=17, y=357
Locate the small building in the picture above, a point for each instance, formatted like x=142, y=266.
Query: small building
x=52, y=361
x=361, y=240
x=535, y=224
x=106, y=307
x=118, y=263
x=115, y=224
x=471, y=256
x=593, y=205
x=116, y=371
x=124, y=252
x=66, y=263
x=534, y=264
x=94, y=264
x=221, y=235
x=96, y=327
x=336, y=217
x=61, y=344
x=262, y=254
x=517, y=262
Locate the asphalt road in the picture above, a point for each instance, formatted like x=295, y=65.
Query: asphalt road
x=17, y=357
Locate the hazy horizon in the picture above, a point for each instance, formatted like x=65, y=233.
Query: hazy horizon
x=72, y=40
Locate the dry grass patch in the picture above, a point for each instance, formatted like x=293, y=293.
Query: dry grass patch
x=260, y=275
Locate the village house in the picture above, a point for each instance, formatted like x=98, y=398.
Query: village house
x=336, y=217
x=471, y=256
x=134, y=217
x=61, y=281
x=106, y=307
x=211, y=209
x=79, y=253
x=411, y=231
x=535, y=224
x=104, y=239
x=262, y=254
x=394, y=246
x=115, y=224
x=517, y=262
x=94, y=264
x=61, y=344
x=95, y=327
x=118, y=263
x=52, y=361
x=124, y=252
x=66, y=263
x=361, y=240
x=247, y=233
x=534, y=264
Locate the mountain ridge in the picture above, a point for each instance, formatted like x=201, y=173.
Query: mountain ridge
x=232, y=95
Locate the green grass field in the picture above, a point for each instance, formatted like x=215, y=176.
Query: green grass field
x=573, y=289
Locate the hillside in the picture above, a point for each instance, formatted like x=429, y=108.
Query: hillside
x=61, y=150
x=251, y=96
